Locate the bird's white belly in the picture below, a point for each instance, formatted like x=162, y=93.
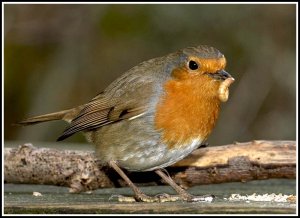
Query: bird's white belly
x=157, y=156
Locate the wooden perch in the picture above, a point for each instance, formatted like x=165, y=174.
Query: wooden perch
x=81, y=171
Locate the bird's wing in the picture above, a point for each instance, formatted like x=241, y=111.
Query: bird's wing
x=111, y=107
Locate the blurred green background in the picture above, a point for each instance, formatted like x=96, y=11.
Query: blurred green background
x=60, y=56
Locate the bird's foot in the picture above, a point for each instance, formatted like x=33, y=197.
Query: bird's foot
x=122, y=198
x=164, y=198
x=145, y=198
x=168, y=198
x=148, y=199
x=137, y=198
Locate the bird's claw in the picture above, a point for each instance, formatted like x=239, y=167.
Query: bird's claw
x=163, y=198
x=157, y=198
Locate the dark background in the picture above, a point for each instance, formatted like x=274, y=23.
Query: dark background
x=60, y=56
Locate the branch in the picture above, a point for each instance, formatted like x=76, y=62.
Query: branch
x=81, y=171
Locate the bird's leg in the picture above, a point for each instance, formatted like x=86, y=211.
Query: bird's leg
x=139, y=195
x=182, y=193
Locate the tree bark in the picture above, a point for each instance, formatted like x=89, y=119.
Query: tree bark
x=81, y=171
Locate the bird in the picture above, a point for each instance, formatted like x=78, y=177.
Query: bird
x=153, y=115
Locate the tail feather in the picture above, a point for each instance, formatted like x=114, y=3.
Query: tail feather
x=60, y=115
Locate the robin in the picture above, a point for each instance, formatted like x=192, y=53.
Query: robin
x=154, y=115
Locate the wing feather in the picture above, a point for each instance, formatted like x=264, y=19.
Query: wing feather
x=106, y=109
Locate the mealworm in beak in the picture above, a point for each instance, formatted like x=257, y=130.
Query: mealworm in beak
x=223, y=89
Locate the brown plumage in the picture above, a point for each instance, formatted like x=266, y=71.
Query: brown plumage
x=155, y=114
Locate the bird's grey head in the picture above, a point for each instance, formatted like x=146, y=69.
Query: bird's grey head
x=202, y=51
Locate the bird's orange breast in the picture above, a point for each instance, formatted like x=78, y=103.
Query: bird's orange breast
x=188, y=110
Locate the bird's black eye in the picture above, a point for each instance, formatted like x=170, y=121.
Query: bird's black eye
x=193, y=65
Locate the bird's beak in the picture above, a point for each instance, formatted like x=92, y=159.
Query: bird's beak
x=224, y=75
x=221, y=75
